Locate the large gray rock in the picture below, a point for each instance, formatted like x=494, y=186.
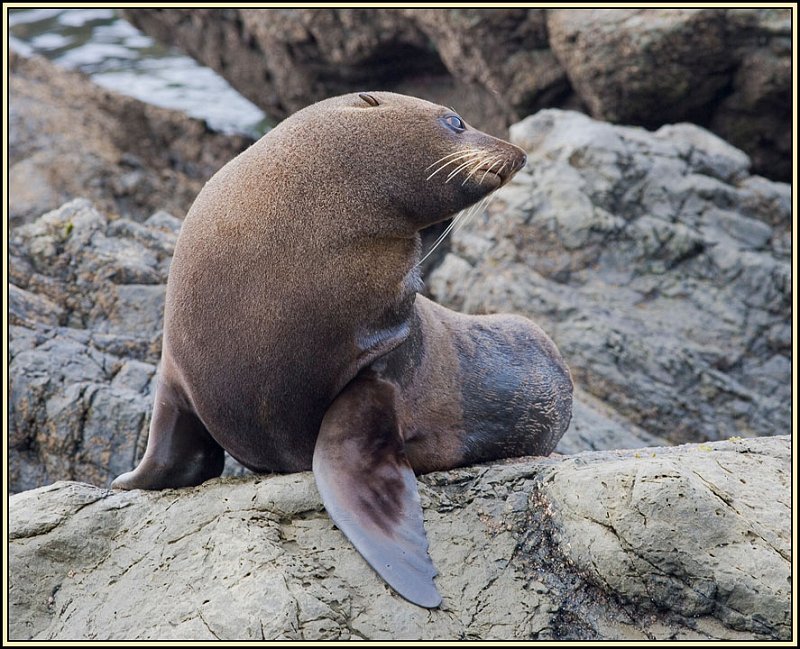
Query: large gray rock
x=688, y=543
x=726, y=69
x=659, y=265
x=85, y=305
x=69, y=138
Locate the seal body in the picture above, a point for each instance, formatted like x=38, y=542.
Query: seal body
x=294, y=337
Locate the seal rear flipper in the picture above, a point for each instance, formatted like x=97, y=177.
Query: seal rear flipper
x=180, y=450
x=369, y=488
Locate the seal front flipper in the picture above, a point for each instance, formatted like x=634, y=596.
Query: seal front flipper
x=369, y=487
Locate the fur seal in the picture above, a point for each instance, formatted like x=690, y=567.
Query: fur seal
x=294, y=337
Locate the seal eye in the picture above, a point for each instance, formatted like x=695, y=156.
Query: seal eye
x=454, y=123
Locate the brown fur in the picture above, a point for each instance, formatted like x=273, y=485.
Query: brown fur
x=286, y=259
x=293, y=293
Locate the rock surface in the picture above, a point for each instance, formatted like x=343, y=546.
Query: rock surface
x=658, y=264
x=638, y=66
x=85, y=303
x=686, y=543
x=69, y=138
x=285, y=60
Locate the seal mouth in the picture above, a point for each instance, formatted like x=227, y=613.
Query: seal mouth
x=482, y=173
x=503, y=173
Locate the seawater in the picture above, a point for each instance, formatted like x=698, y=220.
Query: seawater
x=119, y=57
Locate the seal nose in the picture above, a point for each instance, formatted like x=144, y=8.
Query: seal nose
x=523, y=160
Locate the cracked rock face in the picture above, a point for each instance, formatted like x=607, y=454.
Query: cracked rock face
x=658, y=264
x=86, y=302
x=494, y=65
x=726, y=69
x=684, y=543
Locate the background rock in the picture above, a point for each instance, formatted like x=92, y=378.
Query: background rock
x=688, y=543
x=660, y=267
x=726, y=69
x=283, y=60
x=69, y=138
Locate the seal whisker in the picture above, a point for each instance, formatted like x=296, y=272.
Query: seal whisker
x=444, y=234
x=488, y=171
x=449, y=162
x=478, y=166
x=449, y=155
x=475, y=209
x=463, y=165
x=468, y=214
x=455, y=225
x=484, y=205
x=472, y=171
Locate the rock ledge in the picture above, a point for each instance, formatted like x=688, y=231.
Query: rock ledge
x=689, y=542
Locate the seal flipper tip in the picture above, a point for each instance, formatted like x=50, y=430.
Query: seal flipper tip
x=369, y=488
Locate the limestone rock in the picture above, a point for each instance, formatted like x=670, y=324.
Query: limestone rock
x=86, y=302
x=659, y=265
x=69, y=138
x=686, y=543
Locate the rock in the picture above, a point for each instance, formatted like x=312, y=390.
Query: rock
x=495, y=65
x=755, y=115
x=662, y=78
x=86, y=304
x=504, y=51
x=101, y=274
x=641, y=66
x=596, y=427
x=687, y=543
x=636, y=66
x=292, y=58
x=69, y=138
x=660, y=267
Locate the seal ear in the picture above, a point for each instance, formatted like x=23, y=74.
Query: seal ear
x=369, y=99
x=369, y=487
